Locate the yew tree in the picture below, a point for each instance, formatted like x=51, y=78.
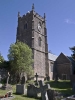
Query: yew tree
x=73, y=50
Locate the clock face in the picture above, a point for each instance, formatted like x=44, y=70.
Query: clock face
x=39, y=27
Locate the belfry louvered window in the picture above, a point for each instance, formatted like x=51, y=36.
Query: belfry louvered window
x=25, y=26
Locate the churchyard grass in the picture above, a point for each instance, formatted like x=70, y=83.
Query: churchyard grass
x=17, y=97
x=63, y=86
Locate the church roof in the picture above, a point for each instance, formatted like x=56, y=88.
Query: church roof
x=52, y=56
x=72, y=61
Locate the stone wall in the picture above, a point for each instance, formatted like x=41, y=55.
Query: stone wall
x=63, y=67
x=39, y=63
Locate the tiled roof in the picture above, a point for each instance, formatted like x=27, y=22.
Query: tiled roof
x=52, y=56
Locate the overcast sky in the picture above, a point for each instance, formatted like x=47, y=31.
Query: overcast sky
x=60, y=16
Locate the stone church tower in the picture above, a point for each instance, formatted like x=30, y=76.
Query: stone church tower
x=32, y=31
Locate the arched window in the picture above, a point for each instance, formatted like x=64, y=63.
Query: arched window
x=25, y=26
x=39, y=41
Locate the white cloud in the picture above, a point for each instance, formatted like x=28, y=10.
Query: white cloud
x=69, y=21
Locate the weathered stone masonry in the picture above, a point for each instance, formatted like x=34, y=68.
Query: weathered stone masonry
x=32, y=31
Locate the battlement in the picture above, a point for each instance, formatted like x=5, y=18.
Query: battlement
x=37, y=15
x=32, y=13
x=25, y=15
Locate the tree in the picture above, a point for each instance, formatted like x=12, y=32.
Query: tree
x=73, y=50
x=1, y=59
x=20, y=57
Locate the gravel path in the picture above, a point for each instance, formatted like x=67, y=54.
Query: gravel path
x=8, y=98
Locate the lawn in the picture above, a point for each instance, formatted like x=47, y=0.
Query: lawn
x=64, y=87
x=17, y=97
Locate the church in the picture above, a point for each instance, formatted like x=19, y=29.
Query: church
x=32, y=30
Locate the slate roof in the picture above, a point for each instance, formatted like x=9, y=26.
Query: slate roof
x=52, y=56
x=72, y=61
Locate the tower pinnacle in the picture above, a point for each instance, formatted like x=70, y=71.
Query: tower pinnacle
x=33, y=6
x=44, y=16
x=18, y=14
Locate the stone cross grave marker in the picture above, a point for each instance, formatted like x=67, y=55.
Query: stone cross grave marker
x=7, y=78
x=7, y=86
x=32, y=90
x=43, y=89
x=36, y=76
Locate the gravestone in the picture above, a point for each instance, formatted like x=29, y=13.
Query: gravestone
x=54, y=95
x=36, y=81
x=71, y=97
x=73, y=82
x=7, y=86
x=8, y=78
x=46, y=96
x=23, y=80
x=48, y=78
x=0, y=85
x=73, y=86
x=51, y=94
x=18, y=79
x=20, y=88
x=56, y=77
x=43, y=90
x=32, y=90
x=0, y=78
